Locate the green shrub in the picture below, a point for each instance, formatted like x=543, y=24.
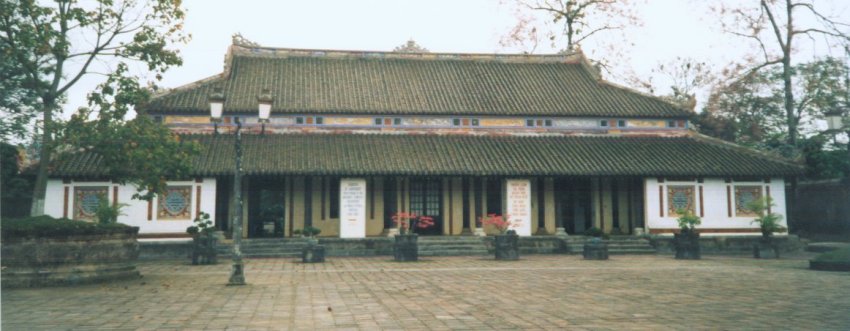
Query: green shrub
x=107, y=212
x=688, y=221
x=593, y=232
x=837, y=256
x=768, y=222
x=202, y=225
x=46, y=226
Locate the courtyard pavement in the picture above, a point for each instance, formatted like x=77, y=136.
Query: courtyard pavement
x=466, y=293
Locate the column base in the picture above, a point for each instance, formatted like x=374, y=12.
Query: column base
x=480, y=232
x=561, y=232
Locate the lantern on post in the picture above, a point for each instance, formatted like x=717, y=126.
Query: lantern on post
x=265, y=102
x=216, y=100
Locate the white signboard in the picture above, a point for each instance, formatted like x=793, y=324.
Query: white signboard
x=352, y=209
x=519, y=205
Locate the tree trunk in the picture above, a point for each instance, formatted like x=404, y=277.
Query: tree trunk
x=790, y=116
x=40, y=188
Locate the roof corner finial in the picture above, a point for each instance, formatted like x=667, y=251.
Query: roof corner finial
x=239, y=40
x=410, y=47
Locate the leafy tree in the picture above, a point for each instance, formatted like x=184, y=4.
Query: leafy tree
x=774, y=27
x=56, y=44
x=15, y=190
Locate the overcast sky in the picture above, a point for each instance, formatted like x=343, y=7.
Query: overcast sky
x=670, y=28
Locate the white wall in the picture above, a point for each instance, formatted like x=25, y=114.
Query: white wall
x=136, y=213
x=715, y=205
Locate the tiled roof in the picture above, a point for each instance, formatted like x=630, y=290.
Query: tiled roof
x=339, y=82
x=383, y=154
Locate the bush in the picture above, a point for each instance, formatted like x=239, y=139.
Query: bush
x=688, y=221
x=837, y=256
x=594, y=232
x=46, y=226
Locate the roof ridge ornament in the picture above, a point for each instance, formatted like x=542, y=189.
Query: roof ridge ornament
x=410, y=47
x=239, y=40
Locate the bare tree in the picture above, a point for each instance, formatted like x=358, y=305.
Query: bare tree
x=574, y=21
x=775, y=27
x=677, y=81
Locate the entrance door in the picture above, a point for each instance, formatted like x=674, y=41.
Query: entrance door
x=266, y=208
x=426, y=199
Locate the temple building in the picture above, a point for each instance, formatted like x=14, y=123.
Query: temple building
x=356, y=136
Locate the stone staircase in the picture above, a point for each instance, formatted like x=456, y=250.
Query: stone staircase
x=451, y=246
x=260, y=248
x=433, y=246
x=617, y=245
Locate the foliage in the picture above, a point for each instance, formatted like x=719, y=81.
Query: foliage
x=107, y=212
x=15, y=189
x=841, y=255
x=501, y=223
x=687, y=221
x=768, y=222
x=772, y=26
x=53, y=45
x=310, y=231
x=46, y=226
x=407, y=221
x=202, y=225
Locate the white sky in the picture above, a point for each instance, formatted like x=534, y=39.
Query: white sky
x=670, y=28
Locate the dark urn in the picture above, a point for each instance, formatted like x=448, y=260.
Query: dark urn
x=406, y=247
x=313, y=252
x=686, y=244
x=766, y=248
x=204, y=249
x=507, y=246
x=595, y=249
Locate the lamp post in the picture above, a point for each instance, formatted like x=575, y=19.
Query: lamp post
x=265, y=101
x=237, y=273
x=835, y=121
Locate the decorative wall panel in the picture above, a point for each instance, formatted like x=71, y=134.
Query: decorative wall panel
x=87, y=200
x=175, y=204
x=348, y=121
x=645, y=124
x=743, y=196
x=426, y=121
x=502, y=122
x=680, y=197
x=575, y=123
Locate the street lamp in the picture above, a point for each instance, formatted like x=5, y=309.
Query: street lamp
x=237, y=274
x=835, y=122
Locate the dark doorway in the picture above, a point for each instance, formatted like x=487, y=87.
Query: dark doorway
x=573, y=205
x=426, y=199
x=266, y=208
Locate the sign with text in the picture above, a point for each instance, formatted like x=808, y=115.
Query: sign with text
x=352, y=209
x=519, y=205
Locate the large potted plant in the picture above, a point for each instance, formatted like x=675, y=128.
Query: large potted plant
x=507, y=241
x=595, y=248
x=313, y=252
x=204, y=241
x=769, y=223
x=686, y=242
x=406, y=247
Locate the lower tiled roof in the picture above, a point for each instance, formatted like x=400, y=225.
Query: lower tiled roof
x=374, y=154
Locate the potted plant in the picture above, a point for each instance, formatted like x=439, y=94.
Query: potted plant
x=686, y=242
x=595, y=248
x=203, y=240
x=768, y=223
x=313, y=252
x=507, y=241
x=406, y=247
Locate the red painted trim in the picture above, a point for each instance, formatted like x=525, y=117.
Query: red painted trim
x=65, y=203
x=291, y=203
x=720, y=230
x=114, y=196
x=198, y=201
x=660, y=201
x=701, y=205
x=150, y=210
x=451, y=206
x=729, y=200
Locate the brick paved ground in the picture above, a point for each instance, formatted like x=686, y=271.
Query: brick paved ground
x=538, y=292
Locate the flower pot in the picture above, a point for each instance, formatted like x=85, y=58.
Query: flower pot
x=686, y=244
x=204, y=249
x=765, y=249
x=406, y=248
x=595, y=249
x=507, y=247
x=313, y=254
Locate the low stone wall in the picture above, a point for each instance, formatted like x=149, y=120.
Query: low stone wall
x=165, y=250
x=69, y=260
x=732, y=245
